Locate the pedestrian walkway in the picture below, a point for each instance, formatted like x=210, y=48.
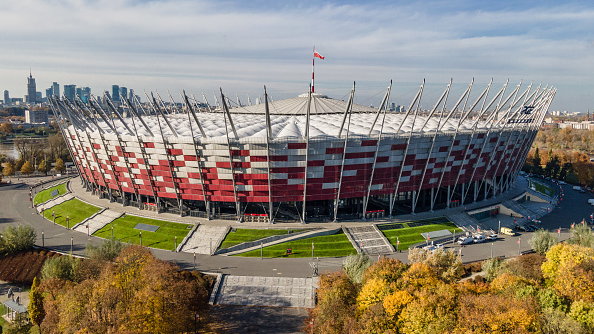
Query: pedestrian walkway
x=55, y=201
x=96, y=222
x=519, y=209
x=463, y=221
x=205, y=239
x=266, y=291
x=369, y=240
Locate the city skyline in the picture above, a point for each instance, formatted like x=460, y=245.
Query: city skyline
x=200, y=46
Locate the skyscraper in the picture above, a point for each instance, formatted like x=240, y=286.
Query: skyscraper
x=123, y=92
x=79, y=92
x=7, y=97
x=70, y=92
x=131, y=95
x=49, y=92
x=31, y=89
x=56, y=89
x=86, y=94
x=115, y=93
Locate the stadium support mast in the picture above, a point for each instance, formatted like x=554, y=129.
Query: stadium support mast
x=306, y=152
x=345, y=147
x=226, y=111
x=202, y=183
x=268, y=138
x=377, y=145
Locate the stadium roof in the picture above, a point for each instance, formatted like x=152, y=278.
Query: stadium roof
x=288, y=119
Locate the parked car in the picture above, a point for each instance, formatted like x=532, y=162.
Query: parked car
x=493, y=236
x=522, y=228
x=465, y=240
x=591, y=201
x=478, y=238
x=562, y=182
x=578, y=188
x=508, y=231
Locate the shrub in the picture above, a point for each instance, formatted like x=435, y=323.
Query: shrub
x=107, y=251
x=446, y=264
x=581, y=234
x=491, y=268
x=17, y=238
x=542, y=241
x=60, y=267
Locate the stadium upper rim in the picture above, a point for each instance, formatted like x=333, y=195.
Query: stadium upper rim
x=319, y=116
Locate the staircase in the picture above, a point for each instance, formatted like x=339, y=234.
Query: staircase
x=369, y=240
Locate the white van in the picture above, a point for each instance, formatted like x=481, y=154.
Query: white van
x=465, y=240
x=591, y=201
x=578, y=188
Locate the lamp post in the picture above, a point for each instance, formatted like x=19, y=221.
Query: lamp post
x=140, y=236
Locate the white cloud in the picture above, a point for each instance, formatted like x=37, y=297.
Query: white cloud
x=201, y=45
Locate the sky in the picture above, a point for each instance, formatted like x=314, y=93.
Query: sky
x=201, y=45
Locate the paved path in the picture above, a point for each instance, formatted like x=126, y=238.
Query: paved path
x=369, y=240
x=205, y=239
x=95, y=223
x=267, y=291
x=15, y=208
x=54, y=201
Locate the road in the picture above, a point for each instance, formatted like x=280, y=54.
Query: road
x=15, y=208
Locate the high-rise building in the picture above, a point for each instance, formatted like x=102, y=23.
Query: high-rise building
x=56, y=89
x=31, y=89
x=79, y=92
x=38, y=97
x=115, y=93
x=70, y=92
x=123, y=92
x=49, y=92
x=86, y=94
x=36, y=116
x=6, y=98
x=131, y=94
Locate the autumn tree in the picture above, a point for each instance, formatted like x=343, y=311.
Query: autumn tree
x=35, y=308
x=59, y=166
x=447, y=264
x=8, y=169
x=496, y=314
x=581, y=234
x=43, y=167
x=334, y=312
x=354, y=266
x=27, y=168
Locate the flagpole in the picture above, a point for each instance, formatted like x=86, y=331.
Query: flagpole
x=313, y=64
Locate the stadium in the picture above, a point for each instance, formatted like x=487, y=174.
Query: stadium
x=307, y=158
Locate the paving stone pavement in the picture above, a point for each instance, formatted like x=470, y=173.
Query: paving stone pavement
x=267, y=291
x=206, y=239
x=463, y=221
x=369, y=240
x=97, y=222
x=54, y=202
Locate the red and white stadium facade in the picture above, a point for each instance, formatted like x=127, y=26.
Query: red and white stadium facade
x=307, y=158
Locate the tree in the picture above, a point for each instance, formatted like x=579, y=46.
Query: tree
x=354, y=266
x=542, y=241
x=432, y=311
x=491, y=268
x=17, y=238
x=446, y=264
x=107, y=251
x=60, y=267
x=536, y=162
x=43, y=167
x=60, y=167
x=8, y=169
x=334, y=312
x=557, y=322
x=6, y=128
x=27, y=168
x=36, y=312
x=496, y=314
x=581, y=234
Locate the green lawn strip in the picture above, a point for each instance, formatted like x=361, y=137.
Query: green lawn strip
x=409, y=236
x=163, y=238
x=76, y=209
x=543, y=189
x=324, y=246
x=241, y=235
x=46, y=195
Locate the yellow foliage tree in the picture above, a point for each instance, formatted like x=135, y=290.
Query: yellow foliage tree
x=564, y=254
x=510, y=283
x=27, y=168
x=395, y=302
x=372, y=292
x=433, y=310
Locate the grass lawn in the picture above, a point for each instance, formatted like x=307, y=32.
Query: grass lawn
x=409, y=236
x=241, y=235
x=543, y=189
x=75, y=209
x=46, y=195
x=163, y=238
x=324, y=246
